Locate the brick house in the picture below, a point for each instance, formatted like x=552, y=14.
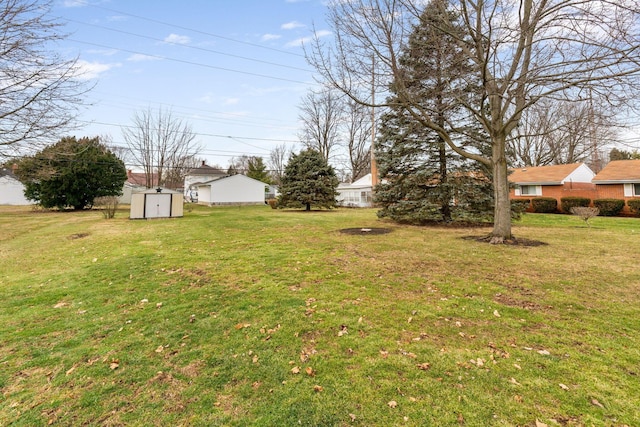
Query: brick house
x=557, y=181
x=620, y=179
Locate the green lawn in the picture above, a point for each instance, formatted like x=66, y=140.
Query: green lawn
x=256, y=317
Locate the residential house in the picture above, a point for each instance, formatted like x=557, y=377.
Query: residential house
x=11, y=189
x=620, y=179
x=359, y=193
x=197, y=176
x=231, y=190
x=557, y=181
x=136, y=182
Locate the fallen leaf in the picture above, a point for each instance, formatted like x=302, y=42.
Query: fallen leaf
x=295, y=370
x=317, y=388
x=424, y=366
x=518, y=398
x=517, y=366
x=353, y=417
x=255, y=359
x=564, y=387
x=242, y=325
x=256, y=385
x=596, y=403
x=544, y=352
x=114, y=364
x=540, y=424
x=192, y=318
x=495, y=313
x=460, y=419
x=384, y=354
x=60, y=305
x=160, y=349
x=73, y=368
x=158, y=305
x=309, y=370
x=392, y=404
x=513, y=381
x=409, y=319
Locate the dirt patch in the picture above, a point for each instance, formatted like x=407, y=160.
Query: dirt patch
x=365, y=231
x=514, y=302
x=78, y=236
x=510, y=242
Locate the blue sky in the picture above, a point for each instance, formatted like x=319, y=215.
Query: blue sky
x=234, y=69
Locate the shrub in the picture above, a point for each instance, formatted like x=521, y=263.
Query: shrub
x=544, y=204
x=273, y=203
x=609, y=207
x=108, y=205
x=634, y=206
x=567, y=203
x=585, y=213
x=519, y=207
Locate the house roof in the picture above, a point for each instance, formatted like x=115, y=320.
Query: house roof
x=8, y=173
x=550, y=175
x=619, y=171
x=206, y=170
x=139, y=179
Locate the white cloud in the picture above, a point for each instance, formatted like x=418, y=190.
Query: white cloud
x=231, y=101
x=292, y=25
x=91, y=70
x=268, y=37
x=74, y=3
x=177, y=39
x=304, y=40
x=139, y=57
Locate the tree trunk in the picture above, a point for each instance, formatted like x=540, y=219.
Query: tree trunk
x=308, y=207
x=502, y=210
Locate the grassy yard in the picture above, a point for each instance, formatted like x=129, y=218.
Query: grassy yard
x=256, y=317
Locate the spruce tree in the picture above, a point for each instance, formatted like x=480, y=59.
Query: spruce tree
x=308, y=180
x=423, y=179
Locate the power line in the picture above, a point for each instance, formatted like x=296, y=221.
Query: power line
x=189, y=46
x=182, y=61
x=156, y=21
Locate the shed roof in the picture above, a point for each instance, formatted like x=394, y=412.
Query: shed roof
x=619, y=171
x=550, y=175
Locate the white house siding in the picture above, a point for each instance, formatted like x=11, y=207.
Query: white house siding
x=12, y=192
x=236, y=189
x=582, y=174
x=357, y=194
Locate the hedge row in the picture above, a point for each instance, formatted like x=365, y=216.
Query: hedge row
x=607, y=207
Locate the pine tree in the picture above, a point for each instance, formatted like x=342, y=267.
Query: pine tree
x=308, y=181
x=258, y=170
x=424, y=180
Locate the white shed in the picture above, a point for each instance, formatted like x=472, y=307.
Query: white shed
x=156, y=203
x=232, y=190
x=11, y=189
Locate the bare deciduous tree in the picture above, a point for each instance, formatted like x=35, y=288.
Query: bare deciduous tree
x=357, y=132
x=321, y=114
x=555, y=132
x=522, y=52
x=40, y=90
x=278, y=158
x=160, y=143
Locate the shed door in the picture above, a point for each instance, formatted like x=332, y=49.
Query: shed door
x=157, y=206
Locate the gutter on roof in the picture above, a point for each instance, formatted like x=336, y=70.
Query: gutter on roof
x=538, y=183
x=616, y=181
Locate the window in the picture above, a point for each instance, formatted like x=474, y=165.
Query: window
x=636, y=190
x=531, y=190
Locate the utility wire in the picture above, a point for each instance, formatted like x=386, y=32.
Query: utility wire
x=189, y=46
x=182, y=61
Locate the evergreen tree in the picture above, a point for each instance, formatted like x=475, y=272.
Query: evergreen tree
x=308, y=180
x=72, y=173
x=423, y=179
x=258, y=170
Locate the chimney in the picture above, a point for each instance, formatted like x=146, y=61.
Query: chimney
x=129, y=173
x=203, y=163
